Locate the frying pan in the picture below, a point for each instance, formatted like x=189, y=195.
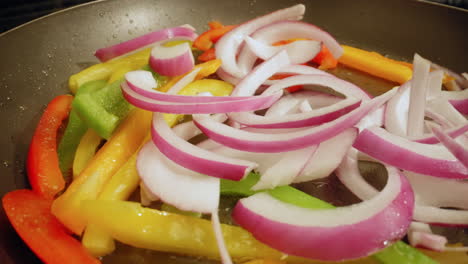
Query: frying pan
x=38, y=57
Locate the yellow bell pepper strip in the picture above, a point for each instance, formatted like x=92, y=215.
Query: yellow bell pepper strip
x=30, y=215
x=171, y=209
x=132, y=224
x=75, y=130
x=85, y=151
x=120, y=186
x=103, y=71
x=265, y=261
x=42, y=162
x=206, y=69
x=106, y=163
x=375, y=64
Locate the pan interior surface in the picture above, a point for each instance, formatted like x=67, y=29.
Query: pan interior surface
x=38, y=58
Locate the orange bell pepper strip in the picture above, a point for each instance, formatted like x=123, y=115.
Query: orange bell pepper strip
x=30, y=215
x=115, y=152
x=205, y=40
x=208, y=55
x=375, y=64
x=215, y=24
x=42, y=163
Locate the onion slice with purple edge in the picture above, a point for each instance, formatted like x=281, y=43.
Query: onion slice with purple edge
x=300, y=51
x=431, y=139
x=459, y=100
x=285, y=30
x=314, y=117
x=417, y=105
x=426, y=159
x=227, y=47
x=194, y=158
x=143, y=83
x=167, y=180
x=108, y=53
x=460, y=152
x=330, y=234
x=281, y=142
x=172, y=61
x=328, y=156
x=250, y=104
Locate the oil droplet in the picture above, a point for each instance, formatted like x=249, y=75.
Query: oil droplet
x=22, y=107
x=6, y=163
x=114, y=35
x=131, y=21
x=101, y=14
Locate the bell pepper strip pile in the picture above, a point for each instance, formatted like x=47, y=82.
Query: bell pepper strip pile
x=85, y=151
x=120, y=186
x=103, y=71
x=132, y=224
x=115, y=152
x=30, y=215
x=75, y=130
x=207, y=55
x=205, y=41
x=375, y=64
x=399, y=252
x=42, y=163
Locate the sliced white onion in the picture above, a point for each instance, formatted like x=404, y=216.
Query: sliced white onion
x=396, y=112
x=440, y=216
x=167, y=180
x=194, y=158
x=330, y=234
x=172, y=61
x=141, y=42
x=390, y=149
x=300, y=51
x=427, y=240
x=228, y=45
x=223, y=251
x=328, y=156
x=267, y=143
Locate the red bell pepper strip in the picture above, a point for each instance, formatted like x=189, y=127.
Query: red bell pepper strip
x=205, y=40
x=325, y=59
x=209, y=54
x=30, y=215
x=42, y=165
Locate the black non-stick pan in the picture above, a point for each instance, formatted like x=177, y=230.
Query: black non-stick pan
x=37, y=58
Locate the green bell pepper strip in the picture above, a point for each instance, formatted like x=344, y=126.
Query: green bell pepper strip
x=75, y=130
x=399, y=252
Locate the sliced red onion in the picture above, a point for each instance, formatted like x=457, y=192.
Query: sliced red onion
x=396, y=112
x=143, y=83
x=461, y=80
x=330, y=234
x=427, y=240
x=434, y=84
x=418, y=92
x=397, y=151
x=141, y=42
x=305, y=106
x=194, y=158
x=253, y=103
x=227, y=47
x=223, y=251
x=431, y=139
x=440, y=216
x=286, y=169
x=328, y=156
x=252, y=81
x=459, y=151
x=283, y=106
x=172, y=61
x=459, y=100
x=300, y=51
x=314, y=117
x=444, y=108
x=284, y=30
x=267, y=143
x=168, y=180
x=439, y=192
